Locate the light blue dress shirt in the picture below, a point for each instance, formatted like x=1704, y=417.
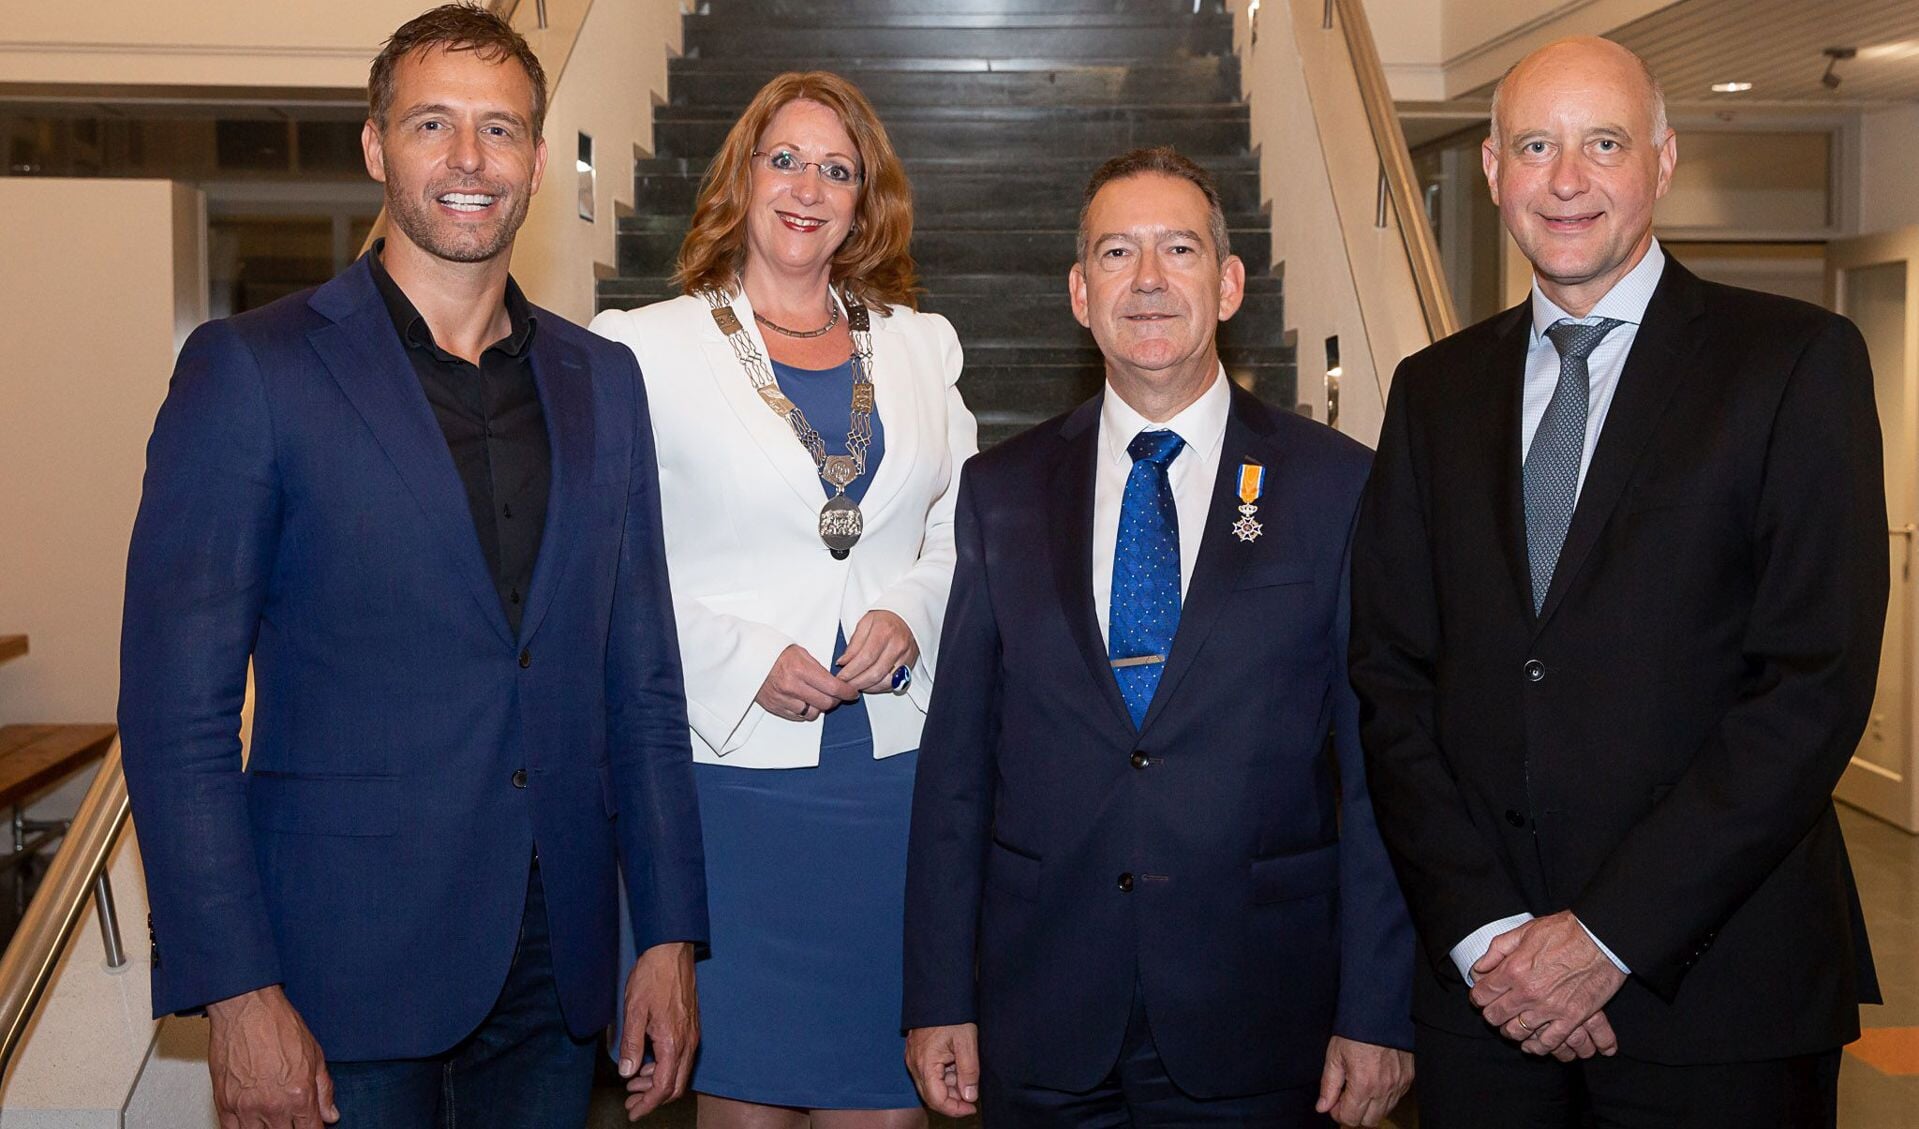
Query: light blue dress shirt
x=1626, y=302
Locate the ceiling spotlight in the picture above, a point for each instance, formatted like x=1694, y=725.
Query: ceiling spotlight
x=1731, y=87
x=1834, y=55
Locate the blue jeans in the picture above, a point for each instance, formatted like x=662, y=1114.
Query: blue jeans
x=519, y=1070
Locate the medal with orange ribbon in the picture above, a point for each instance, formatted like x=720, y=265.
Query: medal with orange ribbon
x=1252, y=482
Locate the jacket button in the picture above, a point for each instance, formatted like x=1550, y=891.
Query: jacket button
x=1126, y=882
x=1140, y=759
x=1535, y=670
x=519, y=778
x=526, y=659
x=1515, y=818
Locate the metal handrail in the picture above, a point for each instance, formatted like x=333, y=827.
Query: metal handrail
x=1398, y=182
x=77, y=870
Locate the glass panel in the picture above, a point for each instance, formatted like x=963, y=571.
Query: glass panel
x=1465, y=221
x=251, y=260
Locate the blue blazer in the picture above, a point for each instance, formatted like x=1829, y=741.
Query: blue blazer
x=1260, y=915
x=301, y=509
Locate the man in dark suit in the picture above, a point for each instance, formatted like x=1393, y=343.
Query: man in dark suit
x=1619, y=583
x=1141, y=811
x=428, y=513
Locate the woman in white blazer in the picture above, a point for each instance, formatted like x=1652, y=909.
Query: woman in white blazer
x=810, y=544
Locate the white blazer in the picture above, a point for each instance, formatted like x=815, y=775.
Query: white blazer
x=742, y=498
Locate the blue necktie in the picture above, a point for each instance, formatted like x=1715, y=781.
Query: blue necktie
x=1145, y=607
x=1552, y=462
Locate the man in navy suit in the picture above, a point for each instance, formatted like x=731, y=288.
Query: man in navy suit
x=428, y=513
x=1145, y=886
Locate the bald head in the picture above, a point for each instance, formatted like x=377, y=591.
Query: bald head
x=1579, y=155
x=1584, y=62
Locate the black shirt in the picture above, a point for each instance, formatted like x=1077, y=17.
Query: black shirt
x=494, y=428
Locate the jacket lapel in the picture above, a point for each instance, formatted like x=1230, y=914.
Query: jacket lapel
x=1502, y=398
x=364, y=355
x=1222, y=556
x=896, y=396
x=1070, y=521
x=770, y=434
x=1653, y=370
x=566, y=399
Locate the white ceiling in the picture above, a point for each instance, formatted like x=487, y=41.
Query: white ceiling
x=1776, y=45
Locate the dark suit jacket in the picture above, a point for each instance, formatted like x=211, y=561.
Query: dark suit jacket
x=1657, y=749
x=301, y=509
x=1260, y=915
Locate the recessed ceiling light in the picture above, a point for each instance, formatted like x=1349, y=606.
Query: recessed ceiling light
x=1731, y=87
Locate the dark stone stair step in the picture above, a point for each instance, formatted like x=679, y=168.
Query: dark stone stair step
x=729, y=84
x=869, y=9
x=938, y=252
x=1070, y=38
x=988, y=210
x=1008, y=134
x=945, y=191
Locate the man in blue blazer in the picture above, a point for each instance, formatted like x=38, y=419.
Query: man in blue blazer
x=428, y=513
x=1145, y=886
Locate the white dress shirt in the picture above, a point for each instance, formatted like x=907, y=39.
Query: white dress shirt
x=1625, y=302
x=1202, y=424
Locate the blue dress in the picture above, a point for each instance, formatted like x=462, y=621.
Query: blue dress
x=806, y=884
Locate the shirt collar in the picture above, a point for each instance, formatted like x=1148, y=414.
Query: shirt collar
x=1202, y=423
x=412, y=326
x=1626, y=301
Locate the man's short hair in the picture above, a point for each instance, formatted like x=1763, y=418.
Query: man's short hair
x=454, y=27
x=1166, y=161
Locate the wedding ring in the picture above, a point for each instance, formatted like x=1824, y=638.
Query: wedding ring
x=1523, y=1025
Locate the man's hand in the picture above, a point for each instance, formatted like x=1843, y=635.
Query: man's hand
x=1362, y=1082
x=798, y=688
x=881, y=644
x=1541, y=983
x=661, y=1009
x=268, y=1072
x=944, y=1062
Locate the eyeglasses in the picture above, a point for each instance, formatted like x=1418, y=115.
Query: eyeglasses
x=786, y=163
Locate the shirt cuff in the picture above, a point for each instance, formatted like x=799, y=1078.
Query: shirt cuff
x=1616, y=962
x=1469, y=951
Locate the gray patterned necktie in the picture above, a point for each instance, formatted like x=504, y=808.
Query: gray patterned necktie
x=1552, y=462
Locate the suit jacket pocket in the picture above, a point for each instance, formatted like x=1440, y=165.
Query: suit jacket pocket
x=1273, y=574
x=1283, y=878
x=1015, y=873
x=324, y=805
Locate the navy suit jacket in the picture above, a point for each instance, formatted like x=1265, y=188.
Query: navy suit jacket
x=1260, y=915
x=301, y=509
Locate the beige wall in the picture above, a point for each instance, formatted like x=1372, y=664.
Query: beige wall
x=1889, y=143
x=100, y=281
x=615, y=75
x=1436, y=49
x=1344, y=276
x=198, y=43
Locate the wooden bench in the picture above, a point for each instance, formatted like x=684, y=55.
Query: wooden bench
x=34, y=758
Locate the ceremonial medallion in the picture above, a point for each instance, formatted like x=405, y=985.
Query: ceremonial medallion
x=1252, y=482
x=840, y=520
x=840, y=525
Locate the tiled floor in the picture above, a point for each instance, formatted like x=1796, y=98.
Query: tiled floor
x=1879, y=1084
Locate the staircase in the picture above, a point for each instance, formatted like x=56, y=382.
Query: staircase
x=1001, y=110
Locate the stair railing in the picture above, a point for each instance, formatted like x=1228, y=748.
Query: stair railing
x=1398, y=185
x=77, y=870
